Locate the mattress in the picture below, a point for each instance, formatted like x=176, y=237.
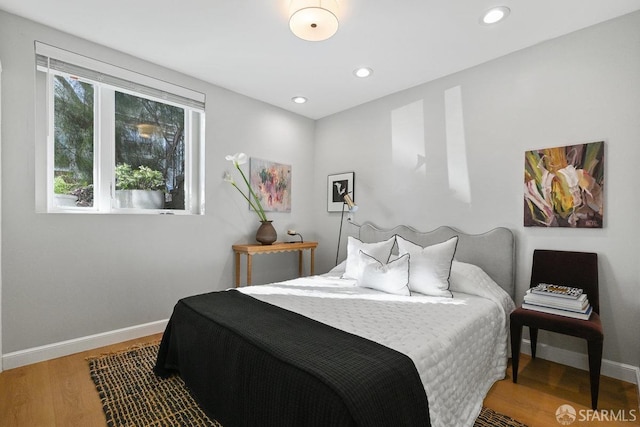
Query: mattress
x=458, y=345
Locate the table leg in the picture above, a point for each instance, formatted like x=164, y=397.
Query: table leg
x=237, y=269
x=249, y=256
x=300, y=263
x=313, y=264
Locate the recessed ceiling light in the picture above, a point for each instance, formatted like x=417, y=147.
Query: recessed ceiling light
x=495, y=15
x=299, y=99
x=362, y=72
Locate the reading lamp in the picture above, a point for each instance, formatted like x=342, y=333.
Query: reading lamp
x=346, y=201
x=295, y=233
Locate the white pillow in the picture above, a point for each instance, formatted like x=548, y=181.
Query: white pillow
x=392, y=278
x=430, y=266
x=469, y=278
x=465, y=277
x=379, y=250
x=338, y=269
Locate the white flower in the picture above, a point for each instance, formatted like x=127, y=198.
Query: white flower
x=237, y=159
x=251, y=197
x=228, y=178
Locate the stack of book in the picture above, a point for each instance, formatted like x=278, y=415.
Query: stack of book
x=561, y=300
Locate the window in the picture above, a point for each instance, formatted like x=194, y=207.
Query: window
x=116, y=141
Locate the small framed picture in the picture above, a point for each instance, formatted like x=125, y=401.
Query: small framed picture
x=337, y=186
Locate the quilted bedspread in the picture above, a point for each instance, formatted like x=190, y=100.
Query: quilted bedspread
x=458, y=345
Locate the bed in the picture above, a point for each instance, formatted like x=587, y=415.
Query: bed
x=353, y=347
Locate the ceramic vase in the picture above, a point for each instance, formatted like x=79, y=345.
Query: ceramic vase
x=266, y=233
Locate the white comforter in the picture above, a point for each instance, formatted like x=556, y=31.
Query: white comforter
x=459, y=344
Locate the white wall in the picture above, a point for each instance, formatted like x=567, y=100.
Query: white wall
x=1, y=217
x=71, y=276
x=129, y=270
x=580, y=88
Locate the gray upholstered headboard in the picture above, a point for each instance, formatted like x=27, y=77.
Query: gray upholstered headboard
x=493, y=251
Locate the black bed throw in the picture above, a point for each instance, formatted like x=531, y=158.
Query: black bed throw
x=250, y=363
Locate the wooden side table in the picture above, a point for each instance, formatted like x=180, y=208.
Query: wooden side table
x=256, y=248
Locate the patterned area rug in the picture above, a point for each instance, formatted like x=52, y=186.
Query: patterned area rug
x=132, y=395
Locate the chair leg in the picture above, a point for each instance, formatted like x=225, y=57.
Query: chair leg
x=533, y=335
x=516, y=338
x=595, y=362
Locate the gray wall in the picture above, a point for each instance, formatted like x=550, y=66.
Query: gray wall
x=580, y=88
x=69, y=276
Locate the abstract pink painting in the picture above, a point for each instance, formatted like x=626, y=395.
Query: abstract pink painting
x=272, y=184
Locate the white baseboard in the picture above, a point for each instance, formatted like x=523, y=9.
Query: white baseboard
x=620, y=371
x=638, y=384
x=65, y=348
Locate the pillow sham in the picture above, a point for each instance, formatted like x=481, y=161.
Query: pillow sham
x=379, y=250
x=392, y=277
x=430, y=266
x=468, y=278
x=338, y=269
x=471, y=279
x=464, y=277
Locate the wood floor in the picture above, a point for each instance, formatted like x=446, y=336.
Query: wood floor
x=544, y=386
x=60, y=393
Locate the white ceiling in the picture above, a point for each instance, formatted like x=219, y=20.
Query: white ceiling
x=246, y=46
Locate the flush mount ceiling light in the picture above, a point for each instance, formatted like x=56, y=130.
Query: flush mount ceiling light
x=299, y=99
x=495, y=15
x=313, y=20
x=362, y=72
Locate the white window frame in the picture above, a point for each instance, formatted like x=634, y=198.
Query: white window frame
x=107, y=79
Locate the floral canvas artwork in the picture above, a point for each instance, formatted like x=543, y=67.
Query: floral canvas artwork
x=564, y=186
x=271, y=183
